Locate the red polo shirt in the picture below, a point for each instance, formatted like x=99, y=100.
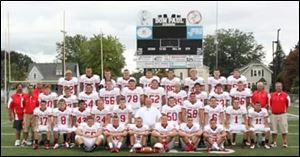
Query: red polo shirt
x=279, y=102
x=261, y=96
x=31, y=102
x=16, y=105
x=36, y=92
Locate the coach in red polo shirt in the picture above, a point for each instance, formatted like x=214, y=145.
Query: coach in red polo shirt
x=279, y=103
x=16, y=110
x=38, y=89
x=260, y=95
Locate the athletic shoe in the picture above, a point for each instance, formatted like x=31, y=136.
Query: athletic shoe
x=67, y=145
x=56, y=145
x=252, y=146
x=266, y=146
x=17, y=143
x=273, y=145
x=284, y=145
x=35, y=146
x=233, y=143
x=47, y=146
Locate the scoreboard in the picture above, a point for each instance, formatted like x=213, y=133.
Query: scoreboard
x=169, y=35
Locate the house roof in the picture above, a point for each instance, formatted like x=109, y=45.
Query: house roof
x=248, y=66
x=48, y=70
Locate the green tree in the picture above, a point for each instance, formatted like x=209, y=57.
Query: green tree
x=87, y=52
x=235, y=50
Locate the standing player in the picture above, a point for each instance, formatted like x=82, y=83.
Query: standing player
x=71, y=99
x=178, y=94
x=172, y=111
x=89, y=78
x=233, y=80
x=110, y=95
x=215, y=135
x=115, y=134
x=134, y=95
x=138, y=133
x=241, y=93
x=107, y=77
x=43, y=124
x=193, y=108
x=49, y=97
x=88, y=135
x=124, y=81
x=68, y=81
x=216, y=79
x=89, y=96
x=62, y=123
x=123, y=111
x=101, y=113
x=168, y=82
x=190, y=81
x=156, y=94
x=200, y=93
x=222, y=97
x=213, y=111
x=189, y=134
x=145, y=81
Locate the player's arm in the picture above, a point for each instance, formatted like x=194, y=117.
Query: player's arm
x=222, y=119
x=209, y=87
x=10, y=110
x=223, y=134
x=205, y=118
x=250, y=121
x=246, y=121
x=201, y=116
x=98, y=133
x=79, y=132
x=107, y=119
x=49, y=122
x=156, y=133
x=266, y=121
x=60, y=89
x=180, y=116
x=36, y=117
x=248, y=101
x=124, y=133
x=73, y=120
x=183, y=113
x=97, y=86
x=142, y=96
x=172, y=133
x=107, y=133
x=227, y=120
x=182, y=133
x=163, y=100
x=81, y=84
x=129, y=118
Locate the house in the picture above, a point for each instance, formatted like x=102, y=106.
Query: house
x=255, y=72
x=49, y=72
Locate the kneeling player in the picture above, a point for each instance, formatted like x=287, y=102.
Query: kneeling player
x=189, y=134
x=43, y=123
x=164, y=132
x=258, y=120
x=115, y=134
x=88, y=135
x=138, y=133
x=215, y=135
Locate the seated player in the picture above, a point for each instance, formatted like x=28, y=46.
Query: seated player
x=89, y=135
x=164, y=132
x=62, y=123
x=258, y=120
x=138, y=133
x=115, y=134
x=189, y=134
x=215, y=135
x=43, y=124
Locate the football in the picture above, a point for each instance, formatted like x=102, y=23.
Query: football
x=147, y=150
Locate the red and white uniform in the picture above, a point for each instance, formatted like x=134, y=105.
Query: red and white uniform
x=114, y=84
x=49, y=98
x=147, y=81
x=119, y=129
x=89, y=130
x=72, y=84
x=63, y=120
x=234, y=81
x=189, y=130
x=258, y=120
x=100, y=115
x=190, y=82
x=241, y=95
x=202, y=96
x=214, y=112
x=172, y=113
x=222, y=98
x=70, y=101
x=94, y=80
x=164, y=130
x=155, y=95
x=214, y=132
x=133, y=97
x=193, y=109
x=90, y=99
x=121, y=81
x=213, y=82
x=237, y=123
x=141, y=129
x=44, y=117
x=109, y=97
x=179, y=96
x=81, y=116
x=169, y=84
x=123, y=114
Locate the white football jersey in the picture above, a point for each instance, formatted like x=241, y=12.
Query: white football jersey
x=133, y=97
x=193, y=109
x=202, y=96
x=155, y=95
x=143, y=128
x=81, y=116
x=234, y=81
x=172, y=113
x=258, y=117
x=169, y=84
x=147, y=81
x=109, y=96
x=70, y=101
x=214, y=112
x=222, y=98
x=213, y=82
x=94, y=80
x=100, y=115
x=241, y=95
x=89, y=130
x=167, y=129
x=63, y=117
x=190, y=82
x=43, y=115
x=123, y=82
x=119, y=129
x=236, y=116
x=114, y=84
x=179, y=97
x=214, y=132
x=123, y=114
x=49, y=98
x=90, y=99
x=189, y=130
x=72, y=84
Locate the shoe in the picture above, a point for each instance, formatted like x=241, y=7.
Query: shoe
x=72, y=145
x=67, y=145
x=284, y=145
x=47, y=146
x=17, y=143
x=35, y=146
x=248, y=143
x=252, y=146
x=56, y=145
x=222, y=148
x=209, y=149
x=266, y=146
x=233, y=143
x=273, y=145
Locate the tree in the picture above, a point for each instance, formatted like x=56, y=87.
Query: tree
x=87, y=52
x=235, y=50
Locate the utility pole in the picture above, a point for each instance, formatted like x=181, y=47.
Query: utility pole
x=101, y=47
x=64, y=47
x=216, y=38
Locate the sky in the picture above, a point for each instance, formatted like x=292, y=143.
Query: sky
x=35, y=26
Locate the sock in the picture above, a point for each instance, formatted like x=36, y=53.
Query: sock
x=110, y=145
x=119, y=145
x=263, y=138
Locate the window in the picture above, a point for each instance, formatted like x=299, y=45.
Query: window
x=251, y=73
x=258, y=72
x=249, y=85
x=262, y=72
x=181, y=75
x=34, y=76
x=254, y=72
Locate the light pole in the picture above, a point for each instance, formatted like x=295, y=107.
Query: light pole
x=216, y=38
x=64, y=47
x=274, y=56
x=101, y=49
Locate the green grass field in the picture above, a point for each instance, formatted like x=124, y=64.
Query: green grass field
x=8, y=148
